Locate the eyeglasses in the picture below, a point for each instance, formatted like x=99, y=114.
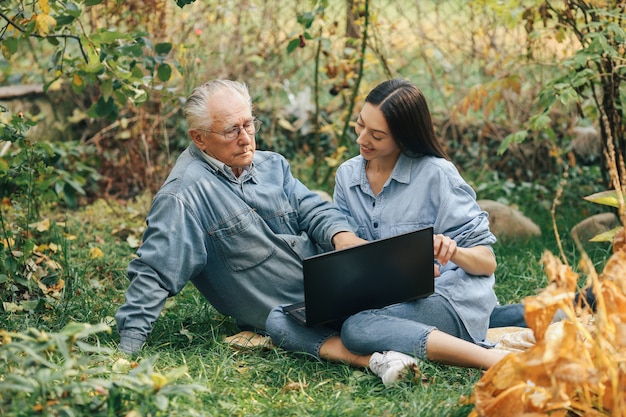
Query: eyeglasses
x=251, y=127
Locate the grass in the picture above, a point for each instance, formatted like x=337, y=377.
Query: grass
x=260, y=382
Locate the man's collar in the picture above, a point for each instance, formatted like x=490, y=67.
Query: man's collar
x=221, y=166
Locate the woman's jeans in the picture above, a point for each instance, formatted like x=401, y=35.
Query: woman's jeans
x=402, y=327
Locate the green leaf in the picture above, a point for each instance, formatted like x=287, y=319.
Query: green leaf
x=72, y=9
x=9, y=47
x=92, y=2
x=306, y=19
x=517, y=137
x=606, y=198
x=135, y=50
x=582, y=77
x=94, y=66
x=164, y=72
x=83, y=330
x=163, y=48
x=108, y=36
x=52, y=41
x=106, y=87
x=103, y=108
x=292, y=45
x=161, y=401
x=64, y=20
x=29, y=305
x=183, y=3
x=539, y=122
x=136, y=72
x=4, y=166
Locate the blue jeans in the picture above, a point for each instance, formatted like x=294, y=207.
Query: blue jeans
x=402, y=327
x=290, y=335
x=395, y=327
x=508, y=315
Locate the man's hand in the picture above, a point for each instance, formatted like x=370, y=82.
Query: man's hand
x=343, y=240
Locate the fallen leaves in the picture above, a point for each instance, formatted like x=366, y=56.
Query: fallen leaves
x=576, y=367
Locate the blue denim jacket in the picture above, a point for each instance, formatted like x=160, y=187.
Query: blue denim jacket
x=240, y=242
x=422, y=192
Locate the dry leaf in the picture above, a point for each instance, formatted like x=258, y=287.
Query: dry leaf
x=577, y=367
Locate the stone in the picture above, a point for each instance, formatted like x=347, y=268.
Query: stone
x=508, y=223
x=593, y=226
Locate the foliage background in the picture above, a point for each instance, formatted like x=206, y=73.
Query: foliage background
x=77, y=179
x=482, y=66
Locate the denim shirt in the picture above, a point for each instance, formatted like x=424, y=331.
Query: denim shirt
x=421, y=192
x=239, y=241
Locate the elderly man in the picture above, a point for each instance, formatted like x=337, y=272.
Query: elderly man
x=230, y=219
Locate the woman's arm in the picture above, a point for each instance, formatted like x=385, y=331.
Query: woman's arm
x=477, y=260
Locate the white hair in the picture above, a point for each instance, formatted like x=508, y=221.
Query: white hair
x=196, y=109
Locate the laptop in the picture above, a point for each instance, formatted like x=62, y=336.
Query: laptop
x=379, y=273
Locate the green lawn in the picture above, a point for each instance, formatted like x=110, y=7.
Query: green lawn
x=188, y=338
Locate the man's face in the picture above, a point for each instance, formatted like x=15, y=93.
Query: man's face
x=230, y=110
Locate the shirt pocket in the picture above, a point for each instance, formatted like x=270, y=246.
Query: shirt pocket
x=243, y=241
x=284, y=221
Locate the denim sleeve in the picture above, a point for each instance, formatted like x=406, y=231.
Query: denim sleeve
x=339, y=197
x=320, y=219
x=460, y=216
x=172, y=252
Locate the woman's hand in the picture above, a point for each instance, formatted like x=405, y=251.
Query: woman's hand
x=477, y=260
x=445, y=249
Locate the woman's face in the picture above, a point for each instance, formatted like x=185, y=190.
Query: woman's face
x=374, y=139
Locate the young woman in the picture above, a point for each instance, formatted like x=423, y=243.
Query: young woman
x=402, y=181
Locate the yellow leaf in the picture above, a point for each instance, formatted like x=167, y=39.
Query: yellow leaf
x=11, y=307
x=606, y=236
x=607, y=198
x=42, y=226
x=52, y=264
x=121, y=366
x=554, y=152
x=95, y=253
x=286, y=125
x=158, y=380
x=45, y=7
x=78, y=81
x=44, y=23
x=41, y=248
x=8, y=242
x=132, y=241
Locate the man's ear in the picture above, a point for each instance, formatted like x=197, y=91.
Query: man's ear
x=196, y=136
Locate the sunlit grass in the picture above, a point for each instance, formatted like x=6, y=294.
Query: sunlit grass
x=269, y=382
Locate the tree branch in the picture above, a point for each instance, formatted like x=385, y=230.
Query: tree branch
x=35, y=35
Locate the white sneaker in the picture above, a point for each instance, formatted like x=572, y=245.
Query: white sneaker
x=392, y=366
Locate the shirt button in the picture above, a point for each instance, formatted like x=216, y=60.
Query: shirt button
x=375, y=224
x=293, y=243
x=374, y=204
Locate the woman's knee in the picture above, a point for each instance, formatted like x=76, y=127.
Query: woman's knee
x=352, y=333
